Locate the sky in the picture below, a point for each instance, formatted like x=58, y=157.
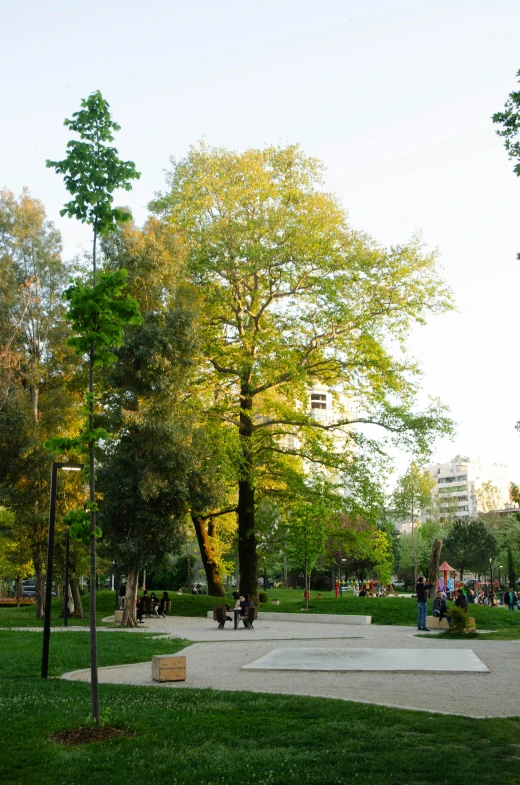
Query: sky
x=395, y=97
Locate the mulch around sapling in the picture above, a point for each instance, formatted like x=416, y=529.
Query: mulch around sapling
x=73, y=737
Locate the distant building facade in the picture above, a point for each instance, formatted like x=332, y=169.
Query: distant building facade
x=457, y=484
x=328, y=409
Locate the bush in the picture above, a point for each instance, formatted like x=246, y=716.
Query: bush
x=460, y=620
x=262, y=596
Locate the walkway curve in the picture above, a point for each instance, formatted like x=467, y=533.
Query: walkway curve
x=216, y=661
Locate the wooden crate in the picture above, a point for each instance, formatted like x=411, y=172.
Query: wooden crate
x=118, y=616
x=167, y=667
x=433, y=623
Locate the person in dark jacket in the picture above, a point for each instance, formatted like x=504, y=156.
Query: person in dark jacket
x=245, y=603
x=163, y=604
x=421, y=591
x=461, y=600
x=440, y=609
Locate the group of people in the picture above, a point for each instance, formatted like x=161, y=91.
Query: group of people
x=242, y=601
x=440, y=605
x=149, y=604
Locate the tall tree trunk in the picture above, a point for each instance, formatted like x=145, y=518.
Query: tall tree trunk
x=79, y=613
x=215, y=587
x=38, y=573
x=35, y=394
x=246, y=503
x=92, y=599
x=18, y=590
x=434, y=565
x=414, y=552
x=129, y=613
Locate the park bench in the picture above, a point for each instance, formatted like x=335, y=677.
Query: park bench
x=433, y=623
x=220, y=614
x=250, y=614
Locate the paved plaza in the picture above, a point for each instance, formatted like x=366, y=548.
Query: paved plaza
x=221, y=660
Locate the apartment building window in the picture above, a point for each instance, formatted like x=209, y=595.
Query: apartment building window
x=318, y=401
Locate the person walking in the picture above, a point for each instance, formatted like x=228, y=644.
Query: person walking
x=421, y=591
x=509, y=599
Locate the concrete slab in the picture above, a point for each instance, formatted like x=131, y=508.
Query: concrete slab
x=328, y=659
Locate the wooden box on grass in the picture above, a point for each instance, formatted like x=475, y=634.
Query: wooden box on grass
x=166, y=667
x=118, y=616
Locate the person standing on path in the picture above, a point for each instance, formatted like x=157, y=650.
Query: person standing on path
x=421, y=590
x=122, y=596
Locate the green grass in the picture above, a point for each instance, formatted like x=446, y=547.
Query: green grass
x=507, y=634
x=26, y=616
x=205, y=737
x=384, y=610
x=70, y=651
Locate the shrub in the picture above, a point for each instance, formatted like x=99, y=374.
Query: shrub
x=460, y=620
x=262, y=596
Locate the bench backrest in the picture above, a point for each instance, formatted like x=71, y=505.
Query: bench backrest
x=219, y=613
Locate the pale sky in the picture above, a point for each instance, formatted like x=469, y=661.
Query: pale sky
x=394, y=96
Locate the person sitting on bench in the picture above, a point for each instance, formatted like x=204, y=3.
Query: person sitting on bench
x=440, y=608
x=245, y=603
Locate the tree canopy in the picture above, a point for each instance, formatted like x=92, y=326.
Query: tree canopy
x=293, y=296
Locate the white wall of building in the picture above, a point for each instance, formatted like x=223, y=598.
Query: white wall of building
x=461, y=478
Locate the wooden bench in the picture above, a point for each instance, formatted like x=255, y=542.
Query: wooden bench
x=433, y=623
x=220, y=614
x=167, y=607
x=250, y=614
x=167, y=667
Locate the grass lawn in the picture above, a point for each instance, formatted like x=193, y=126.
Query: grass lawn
x=205, y=737
x=25, y=616
x=507, y=634
x=384, y=610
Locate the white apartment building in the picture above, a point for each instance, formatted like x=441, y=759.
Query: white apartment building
x=457, y=483
x=328, y=409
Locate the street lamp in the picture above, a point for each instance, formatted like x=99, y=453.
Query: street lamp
x=500, y=567
x=491, y=575
x=68, y=467
x=341, y=562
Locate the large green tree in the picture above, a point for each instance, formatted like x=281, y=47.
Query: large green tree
x=509, y=122
x=468, y=545
x=148, y=470
x=292, y=295
x=37, y=395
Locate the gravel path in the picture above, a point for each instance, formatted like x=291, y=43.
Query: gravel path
x=216, y=662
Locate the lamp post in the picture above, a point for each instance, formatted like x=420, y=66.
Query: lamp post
x=67, y=550
x=70, y=467
x=491, y=575
x=341, y=587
